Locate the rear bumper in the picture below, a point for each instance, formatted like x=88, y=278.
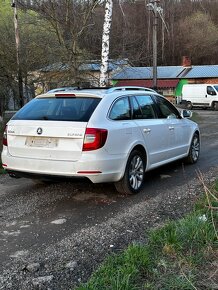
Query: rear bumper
x=49, y=177
x=96, y=169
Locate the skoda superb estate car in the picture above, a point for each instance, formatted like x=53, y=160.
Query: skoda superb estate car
x=106, y=135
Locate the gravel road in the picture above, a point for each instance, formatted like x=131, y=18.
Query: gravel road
x=54, y=236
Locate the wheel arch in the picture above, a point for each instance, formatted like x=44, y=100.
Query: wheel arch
x=195, y=132
x=191, y=159
x=142, y=149
x=123, y=185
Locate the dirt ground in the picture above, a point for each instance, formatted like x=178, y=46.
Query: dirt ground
x=54, y=236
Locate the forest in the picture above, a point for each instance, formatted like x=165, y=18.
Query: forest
x=70, y=32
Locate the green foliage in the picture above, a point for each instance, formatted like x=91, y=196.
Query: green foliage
x=6, y=10
x=216, y=185
x=120, y=272
x=199, y=30
x=169, y=260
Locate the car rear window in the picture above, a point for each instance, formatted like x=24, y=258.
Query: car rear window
x=58, y=109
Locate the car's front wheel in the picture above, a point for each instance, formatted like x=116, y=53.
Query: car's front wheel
x=133, y=179
x=194, y=150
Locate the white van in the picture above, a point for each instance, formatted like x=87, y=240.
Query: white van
x=200, y=95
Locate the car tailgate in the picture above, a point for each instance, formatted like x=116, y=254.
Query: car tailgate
x=46, y=140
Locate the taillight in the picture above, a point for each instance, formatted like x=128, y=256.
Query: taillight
x=94, y=139
x=5, y=141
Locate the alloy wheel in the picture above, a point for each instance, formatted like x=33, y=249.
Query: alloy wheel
x=136, y=172
x=195, y=148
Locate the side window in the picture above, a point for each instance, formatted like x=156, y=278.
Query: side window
x=211, y=91
x=120, y=110
x=146, y=108
x=137, y=112
x=166, y=109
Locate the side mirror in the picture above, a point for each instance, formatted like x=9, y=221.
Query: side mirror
x=186, y=113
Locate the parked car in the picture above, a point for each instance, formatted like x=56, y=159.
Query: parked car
x=200, y=95
x=106, y=135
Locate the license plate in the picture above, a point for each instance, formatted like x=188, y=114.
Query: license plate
x=42, y=142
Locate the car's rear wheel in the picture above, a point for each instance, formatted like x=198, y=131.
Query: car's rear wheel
x=133, y=179
x=215, y=106
x=194, y=150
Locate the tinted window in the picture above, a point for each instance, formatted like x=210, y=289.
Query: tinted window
x=216, y=88
x=137, y=112
x=211, y=91
x=120, y=109
x=166, y=109
x=145, y=109
x=58, y=109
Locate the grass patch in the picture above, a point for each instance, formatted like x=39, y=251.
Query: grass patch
x=176, y=256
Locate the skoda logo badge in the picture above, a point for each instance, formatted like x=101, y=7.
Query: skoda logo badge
x=39, y=131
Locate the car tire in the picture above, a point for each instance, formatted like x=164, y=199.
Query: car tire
x=189, y=106
x=194, y=150
x=133, y=179
x=215, y=106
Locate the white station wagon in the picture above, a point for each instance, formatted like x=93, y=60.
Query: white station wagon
x=106, y=135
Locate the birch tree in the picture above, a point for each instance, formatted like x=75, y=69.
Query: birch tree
x=106, y=43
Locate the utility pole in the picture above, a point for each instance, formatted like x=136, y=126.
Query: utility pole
x=17, y=41
x=153, y=6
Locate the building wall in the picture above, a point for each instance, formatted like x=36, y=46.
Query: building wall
x=167, y=92
x=178, y=91
x=203, y=81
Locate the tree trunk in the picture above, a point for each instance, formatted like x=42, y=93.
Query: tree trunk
x=106, y=43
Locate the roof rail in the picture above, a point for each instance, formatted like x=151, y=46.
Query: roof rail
x=93, y=88
x=126, y=88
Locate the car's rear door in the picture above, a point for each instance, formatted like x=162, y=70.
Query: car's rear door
x=154, y=130
x=178, y=129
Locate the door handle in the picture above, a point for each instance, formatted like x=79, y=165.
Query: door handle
x=171, y=128
x=146, y=130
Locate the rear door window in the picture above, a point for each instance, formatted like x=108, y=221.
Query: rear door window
x=58, y=109
x=120, y=110
x=143, y=107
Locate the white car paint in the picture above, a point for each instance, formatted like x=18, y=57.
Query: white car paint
x=58, y=149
